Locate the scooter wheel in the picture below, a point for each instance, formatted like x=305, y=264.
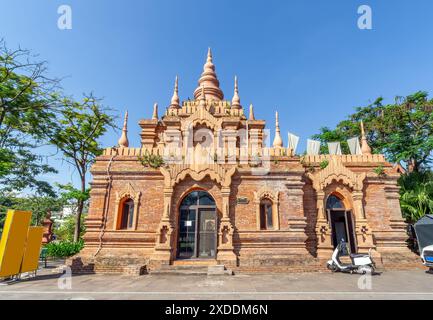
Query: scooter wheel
x=366, y=269
x=332, y=267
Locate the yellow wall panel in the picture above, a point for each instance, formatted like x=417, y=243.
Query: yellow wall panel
x=32, y=249
x=13, y=241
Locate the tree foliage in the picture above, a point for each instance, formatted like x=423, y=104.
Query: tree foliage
x=76, y=135
x=416, y=195
x=65, y=230
x=34, y=112
x=39, y=205
x=28, y=106
x=402, y=130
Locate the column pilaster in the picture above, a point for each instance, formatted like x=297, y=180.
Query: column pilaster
x=364, y=234
x=225, y=253
x=163, y=252
x=323, y=230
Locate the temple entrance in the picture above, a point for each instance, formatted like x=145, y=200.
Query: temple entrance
x=197, y=226
x=341, y=222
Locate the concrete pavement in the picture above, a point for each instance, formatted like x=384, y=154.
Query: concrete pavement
x=416, y=284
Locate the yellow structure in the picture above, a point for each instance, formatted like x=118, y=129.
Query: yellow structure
x=32, y=249
x=20, y=244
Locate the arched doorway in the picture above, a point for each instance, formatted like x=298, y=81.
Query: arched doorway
x=341, y=222
x=197, y=226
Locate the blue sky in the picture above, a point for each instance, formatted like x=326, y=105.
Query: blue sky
x=307, y=59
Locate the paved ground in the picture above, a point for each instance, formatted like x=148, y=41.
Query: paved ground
x=389, y=285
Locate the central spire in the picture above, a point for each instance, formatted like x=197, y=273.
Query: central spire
x=209, y=81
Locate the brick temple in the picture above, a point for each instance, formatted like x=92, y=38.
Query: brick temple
x=206, y=187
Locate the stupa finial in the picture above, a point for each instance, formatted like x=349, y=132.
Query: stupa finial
x=203, y=94
x=209, y=55
x=202, y=98
x=236, y=101
x=251, y=115
x=365, y=148
x=278, y=141
x=155, y=111
x=123, y=141
x=209, y=80
x=175, y=98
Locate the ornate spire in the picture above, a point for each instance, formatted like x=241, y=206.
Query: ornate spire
x=236, y=101
x=278, y=142
x=202, y=98
x=175, y=98
x=123, y=141
x=155, y=112
x=365, y=148
x=209, y=80
x=251, y=116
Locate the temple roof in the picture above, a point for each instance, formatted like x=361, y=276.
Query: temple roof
x=209, y=81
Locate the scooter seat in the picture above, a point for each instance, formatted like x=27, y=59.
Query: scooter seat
x=357, y=255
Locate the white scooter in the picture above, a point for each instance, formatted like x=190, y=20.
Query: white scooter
x=427, y=257
x=361, y=263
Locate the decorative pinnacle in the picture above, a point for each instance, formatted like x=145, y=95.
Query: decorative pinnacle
x=365, y=148
x=202, y=98
x=251, y=116
x=236, y=101
x=155, y=112
x=209, y=55
x=175, y=98
x=203, y=95
x=123, y=141
x=209, y=80
x=278, y=141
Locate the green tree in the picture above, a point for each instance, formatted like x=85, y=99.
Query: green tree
x=76, y=135
x=28, y=106
x=416, y=195
x=38, y=205
x=66, y=230
x=402, y=130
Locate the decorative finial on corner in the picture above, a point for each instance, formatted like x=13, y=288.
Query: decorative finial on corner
x=123, y=141
x=202, y=98
x=175, y=98
x=155, y=111
x=203, y=94
x=236, y=101
x=278, y=141
x=251, y=116
x=365, y=148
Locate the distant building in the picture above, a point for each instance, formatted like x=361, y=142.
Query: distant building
x=60, y=216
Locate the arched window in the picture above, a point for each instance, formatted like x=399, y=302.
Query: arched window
x=126, y=214
x=266, y=215
x=334, y=202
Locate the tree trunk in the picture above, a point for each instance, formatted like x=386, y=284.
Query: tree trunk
x=78, y=220
x=80, y=208
x=411, y=166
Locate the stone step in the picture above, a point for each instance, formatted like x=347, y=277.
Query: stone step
x=184, y=267
x=195, y=262
x=212, y=270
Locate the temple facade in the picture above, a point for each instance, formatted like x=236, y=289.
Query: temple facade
x=206, y=186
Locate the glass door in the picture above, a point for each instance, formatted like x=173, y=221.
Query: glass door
x=187, y=233
x=207, y=233
x=197, y=226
